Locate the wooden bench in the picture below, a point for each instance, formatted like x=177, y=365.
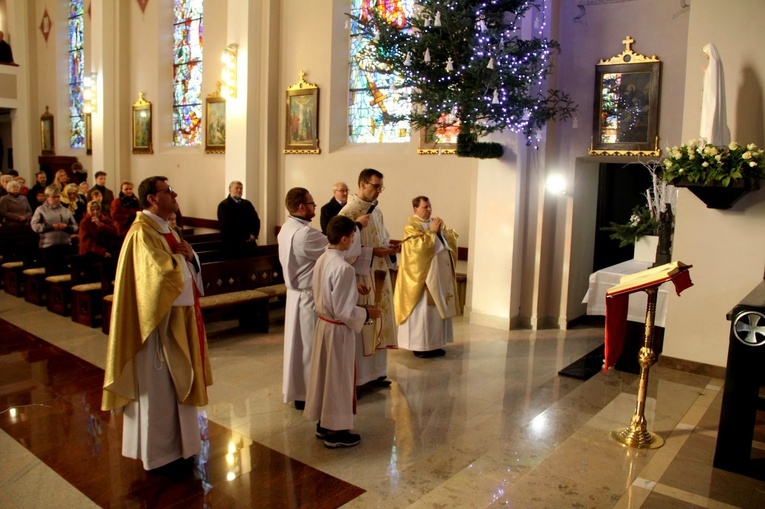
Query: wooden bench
x=242, y=288
x=17, y=248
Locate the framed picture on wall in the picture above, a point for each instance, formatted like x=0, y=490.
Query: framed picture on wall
x=440, y=138
x=626, y=113
x=88, y=134
x=47, y=139
x=302, y=133
x=215, y=124
x=142, y=143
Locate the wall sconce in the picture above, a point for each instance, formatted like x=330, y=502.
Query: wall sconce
x=228, y=73
x=556, y=184
x=89, y=84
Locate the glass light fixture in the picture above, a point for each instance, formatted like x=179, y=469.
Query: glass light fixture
x=228, y=73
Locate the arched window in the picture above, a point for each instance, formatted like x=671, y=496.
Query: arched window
x=187, y=72
x=375, y=96
x=76, y=65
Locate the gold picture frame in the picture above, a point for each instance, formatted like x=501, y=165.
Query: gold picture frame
x=626, y=113
x=302, y=126
x=47, y=134
x=215, y=124
x=88, y=134
x=440, y=138
x=142, y=135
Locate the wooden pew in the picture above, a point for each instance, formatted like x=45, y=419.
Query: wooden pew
x=242, y=288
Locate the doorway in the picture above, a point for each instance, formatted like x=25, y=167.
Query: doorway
x=621, y=187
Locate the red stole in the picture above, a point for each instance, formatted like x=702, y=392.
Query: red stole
x=173, y=243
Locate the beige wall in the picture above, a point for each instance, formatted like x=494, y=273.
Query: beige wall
x=726, y=247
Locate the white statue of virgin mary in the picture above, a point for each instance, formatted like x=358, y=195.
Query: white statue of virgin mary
x=714, y=117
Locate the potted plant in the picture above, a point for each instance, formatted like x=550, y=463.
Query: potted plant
x=718, y=175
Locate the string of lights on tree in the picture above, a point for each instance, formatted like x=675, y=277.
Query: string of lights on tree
x=467, y=62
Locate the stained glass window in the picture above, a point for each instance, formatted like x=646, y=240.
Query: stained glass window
x=76, y=65
x=187, y=72
x=374, y=96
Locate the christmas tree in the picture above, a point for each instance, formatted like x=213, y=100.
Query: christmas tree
x=467, y=64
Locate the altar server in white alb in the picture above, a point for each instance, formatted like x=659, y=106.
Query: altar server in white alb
x=426, y=286
x=300, y=246
x=331, y=386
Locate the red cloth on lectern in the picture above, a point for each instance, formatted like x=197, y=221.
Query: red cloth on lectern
x=617, y=303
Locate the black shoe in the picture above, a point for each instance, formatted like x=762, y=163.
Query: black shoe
x=439, y=352
x=341, y=439
x=299, y=405
x=381, y=382
x=321, y=432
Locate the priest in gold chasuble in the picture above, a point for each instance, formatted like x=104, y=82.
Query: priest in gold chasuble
x=426, y=287
x=157, y=366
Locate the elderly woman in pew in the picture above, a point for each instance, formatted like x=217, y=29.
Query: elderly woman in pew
x=56, y=226
x=98, y=236
x=14, y=207
x=70, y=198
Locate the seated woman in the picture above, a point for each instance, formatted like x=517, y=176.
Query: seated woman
x=98, y=237
x=84, y=187
x=61, y=180
x=15, y=211
x=95, y=195
x=70, y=198
x=125, y=208
x=55, y=225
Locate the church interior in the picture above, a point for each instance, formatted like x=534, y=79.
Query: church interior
x=492, y=423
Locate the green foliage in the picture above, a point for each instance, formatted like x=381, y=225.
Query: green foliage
x=710, y=164
x=495, y=80
x=641, y=223
x=467, y=146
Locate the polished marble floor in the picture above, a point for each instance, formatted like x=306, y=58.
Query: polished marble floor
x=489, y=425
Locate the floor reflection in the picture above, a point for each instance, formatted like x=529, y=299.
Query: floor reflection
x=50, y=404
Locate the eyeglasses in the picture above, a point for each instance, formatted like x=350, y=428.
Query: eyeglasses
x=341, y=190
x=169, y=190
x=310, y=203
x=379, y=187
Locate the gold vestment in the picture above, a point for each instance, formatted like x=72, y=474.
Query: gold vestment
x=149, y=279
x=417, y=252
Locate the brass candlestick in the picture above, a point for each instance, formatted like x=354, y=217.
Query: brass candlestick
x=636, y=435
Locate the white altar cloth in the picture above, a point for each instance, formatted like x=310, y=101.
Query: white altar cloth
x=602, y=280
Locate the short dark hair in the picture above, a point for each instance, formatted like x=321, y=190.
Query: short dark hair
x=339, y=227
x=13, y=172
x=368, y=173
x=147, y=187
x=295, y=197
x=77, y=166
x=417, y=199
x=100, y=173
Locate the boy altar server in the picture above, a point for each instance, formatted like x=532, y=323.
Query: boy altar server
x=331, y=391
